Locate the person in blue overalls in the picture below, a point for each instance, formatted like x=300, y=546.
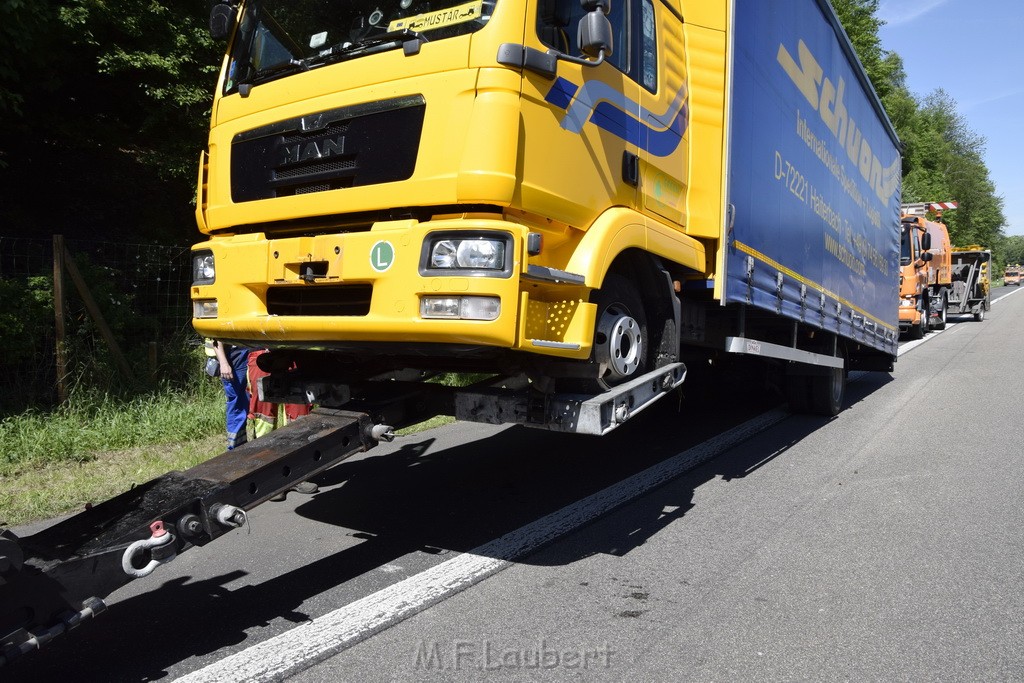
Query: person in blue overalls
x=234, y=361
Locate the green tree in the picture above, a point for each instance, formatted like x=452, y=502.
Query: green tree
x=945, y=162
x=24, y=34
x=164, y=65
x=1013, y=249
x=859, y=20
x=105, y=106
x=943, y=159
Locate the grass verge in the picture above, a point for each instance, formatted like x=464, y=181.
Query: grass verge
x=53, y=489
x=54, y=464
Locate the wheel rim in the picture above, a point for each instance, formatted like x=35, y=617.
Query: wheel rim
x=620, y=342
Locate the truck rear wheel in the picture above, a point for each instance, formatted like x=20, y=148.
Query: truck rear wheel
x=979, y=313
x=827, y=392
x=820, y=393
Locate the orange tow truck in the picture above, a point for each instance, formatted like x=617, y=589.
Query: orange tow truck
x=925, y=271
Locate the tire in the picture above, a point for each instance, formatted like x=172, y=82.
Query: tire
x=940, y=323
x=979, y=314
x=820, y=394
x=917, y=331
x=622, y=347
x=827, y=392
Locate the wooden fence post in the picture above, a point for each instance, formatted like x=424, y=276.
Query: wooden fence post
x=58, y=314
x=97, y=316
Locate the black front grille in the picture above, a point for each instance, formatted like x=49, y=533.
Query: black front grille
x=360, y=145
x=304, y=171
x=347, y=300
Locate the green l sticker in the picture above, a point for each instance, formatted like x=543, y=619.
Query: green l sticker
x=382, y=256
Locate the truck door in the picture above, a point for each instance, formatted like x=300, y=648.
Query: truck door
x=664, y=109
x=580, y=128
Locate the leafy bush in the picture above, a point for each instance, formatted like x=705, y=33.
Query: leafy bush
x=26, y=318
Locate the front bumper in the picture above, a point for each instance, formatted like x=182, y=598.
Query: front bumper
x=361, y=288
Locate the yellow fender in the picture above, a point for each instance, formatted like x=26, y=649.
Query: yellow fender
x=619, y=229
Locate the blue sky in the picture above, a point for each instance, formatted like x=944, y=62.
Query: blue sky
x=974, y=50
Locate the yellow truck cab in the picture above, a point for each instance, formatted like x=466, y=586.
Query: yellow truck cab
x=1012, y=275
x=415, y=173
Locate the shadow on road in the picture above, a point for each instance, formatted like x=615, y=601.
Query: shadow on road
x=423, y=498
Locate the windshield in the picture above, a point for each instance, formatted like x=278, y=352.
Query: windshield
x=905, y=247
x=279, y=37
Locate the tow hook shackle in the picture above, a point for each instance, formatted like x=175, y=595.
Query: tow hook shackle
x=229, y=515
x=160, y=546
x=382, y=432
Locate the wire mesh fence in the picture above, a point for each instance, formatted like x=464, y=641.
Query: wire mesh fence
x=141, y=314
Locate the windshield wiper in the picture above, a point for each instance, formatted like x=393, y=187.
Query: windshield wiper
x=404, y=38
x=270, y=73
x=407, y=39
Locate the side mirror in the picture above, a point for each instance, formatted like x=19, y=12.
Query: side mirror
x=926, y=241
x=594, y=34
x=222, y=18
x=927, y=256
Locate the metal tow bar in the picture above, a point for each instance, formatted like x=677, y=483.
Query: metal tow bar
x=53, y=580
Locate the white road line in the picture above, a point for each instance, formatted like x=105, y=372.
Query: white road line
x=911, y=345
x=324, y=636
x=995, y=301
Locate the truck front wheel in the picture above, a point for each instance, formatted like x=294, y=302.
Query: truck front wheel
x=620, y=340
x=621, y=349
x=918, y=329
x=940, y=321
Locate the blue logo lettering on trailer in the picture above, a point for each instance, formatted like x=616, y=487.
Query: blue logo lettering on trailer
x=610, y=110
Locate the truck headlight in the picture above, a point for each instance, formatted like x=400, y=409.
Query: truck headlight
x=204, y=308
x=467, y=254
x=460, y=307
x=203, y=270
x=478, y=254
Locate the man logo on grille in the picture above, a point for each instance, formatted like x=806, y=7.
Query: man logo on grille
x=312, y=149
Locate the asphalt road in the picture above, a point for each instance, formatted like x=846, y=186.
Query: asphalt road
x=705, y=540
